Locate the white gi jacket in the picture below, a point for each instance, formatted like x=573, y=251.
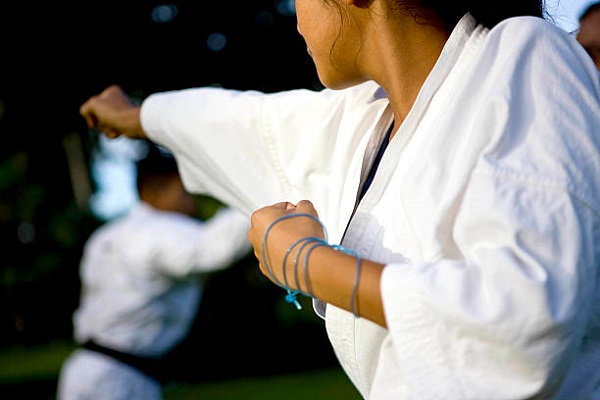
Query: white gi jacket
x=140, y=293
x=485, y=208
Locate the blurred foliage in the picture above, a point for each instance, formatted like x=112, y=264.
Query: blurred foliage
x=19, y=199
x=56, y=55
x=42, y=233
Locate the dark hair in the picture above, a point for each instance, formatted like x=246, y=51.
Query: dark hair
x=155, y=167
x=487, y=13
x=592, y=7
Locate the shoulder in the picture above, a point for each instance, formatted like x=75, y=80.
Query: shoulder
x=151, y=218
x=541, y=92
x=146, y=222
x=526, y=29
x=530, y=49
x=527, y=23
x=531, y=37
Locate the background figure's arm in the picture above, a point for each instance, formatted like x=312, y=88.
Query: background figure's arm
x=188, y=247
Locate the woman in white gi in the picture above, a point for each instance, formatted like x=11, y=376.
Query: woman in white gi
x=469, y=267
x=141, y=286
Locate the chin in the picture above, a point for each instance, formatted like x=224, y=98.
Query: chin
x=340, y=84
x=335, y=79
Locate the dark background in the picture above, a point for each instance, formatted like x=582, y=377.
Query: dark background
x=53, y=56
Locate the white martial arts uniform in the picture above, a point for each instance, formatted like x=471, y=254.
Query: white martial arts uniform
x=485, y=208
x=140, y=292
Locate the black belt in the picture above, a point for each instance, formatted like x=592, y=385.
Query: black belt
x=152, y=367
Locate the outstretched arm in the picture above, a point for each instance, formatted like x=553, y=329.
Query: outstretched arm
x=113, y=113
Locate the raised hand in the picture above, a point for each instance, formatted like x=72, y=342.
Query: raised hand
x=113, y=113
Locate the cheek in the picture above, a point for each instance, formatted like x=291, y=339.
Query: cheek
x=306, y=27
x=300, y=16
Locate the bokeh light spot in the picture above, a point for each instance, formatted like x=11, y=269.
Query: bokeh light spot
x=164, y=13
x=264, y=19
x=26, y=232
x=285, y=7
x=216, y=41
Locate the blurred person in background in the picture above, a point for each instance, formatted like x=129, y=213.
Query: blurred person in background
x=589, y=32
x=141, y=285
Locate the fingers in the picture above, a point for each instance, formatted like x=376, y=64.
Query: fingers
x=107, y=112
x=282, y=208
x=113, y=90
x=276, y=208
x=263, y=217
x=284, y=205
x=86, y=112
x=272, y=244
x=111, y=134
x=305, y=206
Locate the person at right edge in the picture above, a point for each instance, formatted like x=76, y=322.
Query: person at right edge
x=589, y=32
x=446, y=182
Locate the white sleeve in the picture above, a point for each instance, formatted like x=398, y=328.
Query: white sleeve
x=506, y=320
x=184, y=246
x=508, y=317
x=240, y=146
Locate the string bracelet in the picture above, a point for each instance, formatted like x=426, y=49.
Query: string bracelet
x=312, y=242
x=305, y=247
x=291, y=296
x=303, y=242
x=354, y=293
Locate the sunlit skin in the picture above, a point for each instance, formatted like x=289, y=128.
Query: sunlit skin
x=589, y=35
x=322, y=25
x=351, y=41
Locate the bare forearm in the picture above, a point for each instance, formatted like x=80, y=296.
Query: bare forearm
x=289, y=241
x=332, y=275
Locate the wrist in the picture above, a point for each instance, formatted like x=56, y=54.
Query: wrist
x=132, y=119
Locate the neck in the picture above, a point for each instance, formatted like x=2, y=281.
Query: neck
x=400, y=52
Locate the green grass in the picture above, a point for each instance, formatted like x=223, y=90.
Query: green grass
x=32, y=363
x=326, y=384
x=31, y=373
